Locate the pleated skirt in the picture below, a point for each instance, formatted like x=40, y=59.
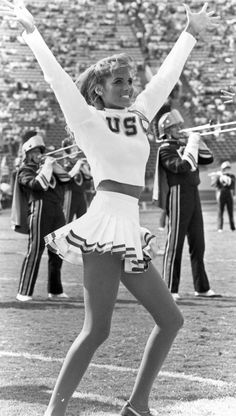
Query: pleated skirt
x=111, y=224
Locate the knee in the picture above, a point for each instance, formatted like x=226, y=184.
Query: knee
x=98, y=335
x=178, y=321
x=175, y=323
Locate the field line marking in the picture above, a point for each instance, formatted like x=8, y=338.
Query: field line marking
x=113, y=368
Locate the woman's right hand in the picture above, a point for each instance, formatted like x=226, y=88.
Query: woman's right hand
x=17, y=11
x=228, y=96
x=198, y=23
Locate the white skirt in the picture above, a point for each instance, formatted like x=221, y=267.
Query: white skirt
x=111, y=224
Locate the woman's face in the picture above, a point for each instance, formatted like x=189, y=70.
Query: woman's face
x=117, y=90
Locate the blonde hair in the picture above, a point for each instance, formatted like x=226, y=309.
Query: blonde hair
x=97, y=73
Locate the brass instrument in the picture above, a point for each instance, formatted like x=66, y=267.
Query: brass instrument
x=61, y=149
x=214, y=128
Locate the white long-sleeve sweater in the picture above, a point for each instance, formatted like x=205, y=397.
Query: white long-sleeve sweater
x=114, y=141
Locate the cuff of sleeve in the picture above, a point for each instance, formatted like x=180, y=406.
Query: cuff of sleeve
x=61, y=173
x=191, y=160
x=205, y=154
x=189, y=37
x=29, y=37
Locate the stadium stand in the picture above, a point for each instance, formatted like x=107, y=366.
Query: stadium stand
x=82, y=31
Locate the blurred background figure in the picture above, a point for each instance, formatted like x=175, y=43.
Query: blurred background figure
x=162, y=220
x=5, y=188
x=224, y=182
x=75, y=196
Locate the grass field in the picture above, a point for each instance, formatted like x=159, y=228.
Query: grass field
x=199, y=376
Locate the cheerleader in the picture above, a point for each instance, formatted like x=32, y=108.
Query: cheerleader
x=114, y=247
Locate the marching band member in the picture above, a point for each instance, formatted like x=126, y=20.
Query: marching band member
x=40, y=189
x=109, y=129
x=224, y=182
x=75, y=201
x=176, y=190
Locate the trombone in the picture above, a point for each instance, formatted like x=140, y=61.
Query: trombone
x=216, y=128
x=61, y=149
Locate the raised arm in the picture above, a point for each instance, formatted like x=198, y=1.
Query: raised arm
x=158, y=89
x=72, y=103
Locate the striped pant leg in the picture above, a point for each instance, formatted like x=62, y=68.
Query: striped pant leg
x=30, y=266
x=67, y=204
x=196, y=241
x=175, y=240
x=54, y=261
x=220, y=211
x=230, y=209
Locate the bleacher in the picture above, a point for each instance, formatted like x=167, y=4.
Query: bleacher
x=83, y=31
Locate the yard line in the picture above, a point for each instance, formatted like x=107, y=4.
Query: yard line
x=113, y=368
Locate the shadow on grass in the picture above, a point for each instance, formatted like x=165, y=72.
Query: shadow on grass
x=40, y=394
x=41, y=305
x=221, y=302
x=67, y=304
x=25, y=393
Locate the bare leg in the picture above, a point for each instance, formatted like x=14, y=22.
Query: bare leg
x=150, y=289
x=101, y=283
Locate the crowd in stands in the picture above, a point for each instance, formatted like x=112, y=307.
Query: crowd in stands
x=157, y=24
x=80, y=32
x=83, y=31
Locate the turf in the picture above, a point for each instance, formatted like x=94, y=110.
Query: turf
x=198, y=377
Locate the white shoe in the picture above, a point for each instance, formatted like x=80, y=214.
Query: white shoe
x=23, y=298
x=209, y=294
x=175, y=296
x=58, y=297
x=220, y=230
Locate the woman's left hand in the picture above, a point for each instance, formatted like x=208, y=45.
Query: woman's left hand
x=198, y=23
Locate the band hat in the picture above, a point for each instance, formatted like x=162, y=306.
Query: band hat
x=169, y=119
x=225, y=165
x=32, y=143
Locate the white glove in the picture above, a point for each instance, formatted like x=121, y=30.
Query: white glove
x=76, y=168
x=202, y=145
x=45, y=173
x=49, y=161
x=194, y=139
x=225, y=180
x=191, y=150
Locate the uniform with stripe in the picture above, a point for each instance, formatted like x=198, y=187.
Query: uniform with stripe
x=184, y=212
x=75, y=201
x=45, y=213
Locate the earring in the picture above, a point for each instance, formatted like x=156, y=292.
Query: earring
x=98, y=91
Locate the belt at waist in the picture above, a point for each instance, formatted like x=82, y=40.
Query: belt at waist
x=122, y=188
